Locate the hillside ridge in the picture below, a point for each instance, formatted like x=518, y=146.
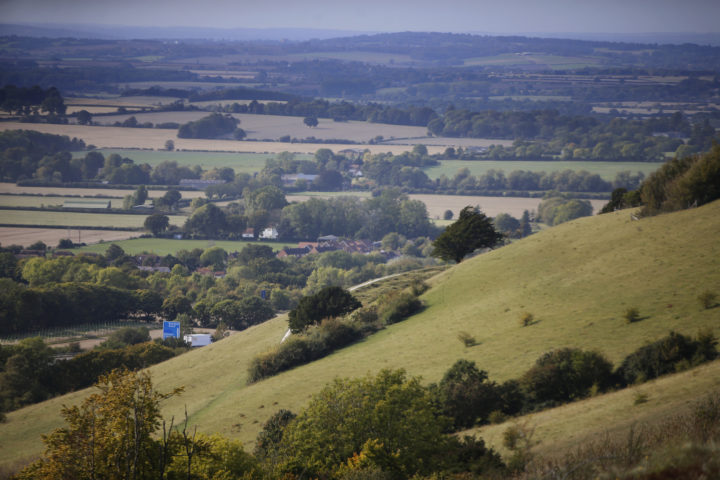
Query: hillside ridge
x=576, y=279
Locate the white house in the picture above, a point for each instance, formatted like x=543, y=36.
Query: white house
x=270, y=233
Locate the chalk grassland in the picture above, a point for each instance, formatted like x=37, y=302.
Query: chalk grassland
x=87, y=192
x=161, y=246
x=41, y=218
x=577, y=279
x=51, y=236
x=153, y=138
x=46, y=201
x=606, y=170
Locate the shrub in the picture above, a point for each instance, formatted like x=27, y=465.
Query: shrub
x=397, y=306
x=318, y=342
x=707, y=299
x=666, y=356
x=631, y=315
x=467, y=339
x=526, y=319
x=564, y=375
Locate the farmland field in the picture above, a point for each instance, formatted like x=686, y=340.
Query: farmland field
x=25, y=217
x=44, y=201
x=161, y=246
x=51, y=236
x=88, y=192
x=272, y=127
x=153, y=138
x=607, y=170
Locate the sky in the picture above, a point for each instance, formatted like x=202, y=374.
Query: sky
x=463, y=16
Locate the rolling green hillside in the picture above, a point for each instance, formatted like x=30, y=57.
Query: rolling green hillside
x=577, y=279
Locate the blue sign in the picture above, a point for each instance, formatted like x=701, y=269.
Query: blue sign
x=171, y=329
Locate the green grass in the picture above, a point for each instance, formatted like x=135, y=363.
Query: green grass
x=25, y=217
x=607, y=170
x=577, y=279
x=46, y=201
x=161, y=246
x=240, y=162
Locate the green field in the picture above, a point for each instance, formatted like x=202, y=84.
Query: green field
x=161, y=246
x=46, y=201
x=72, y=219
x=607, y=170
x=577, y=279
x=240, y=162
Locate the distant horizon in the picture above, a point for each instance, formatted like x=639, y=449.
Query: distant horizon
x=124, y=31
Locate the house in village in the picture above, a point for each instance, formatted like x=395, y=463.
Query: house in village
x=249, y=234
x=269, y=233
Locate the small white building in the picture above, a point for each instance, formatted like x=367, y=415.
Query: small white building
x=198, y=339
x=270, y=233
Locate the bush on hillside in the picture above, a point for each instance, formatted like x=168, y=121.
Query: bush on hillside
x=565, y=374
x=667, y=355
x=327, y=303
x=397, y=306
x=318, y=342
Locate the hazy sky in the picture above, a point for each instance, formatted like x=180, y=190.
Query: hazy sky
x=491, y=16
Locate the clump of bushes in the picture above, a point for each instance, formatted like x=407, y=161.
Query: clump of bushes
x=669, y=354
x=397, y=306
x=316, y=343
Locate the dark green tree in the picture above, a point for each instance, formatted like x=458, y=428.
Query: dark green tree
x=327, y=303
x=466, y=395
x=207, y=220
x=310, y=121
x=156, y=223
x=471, y=231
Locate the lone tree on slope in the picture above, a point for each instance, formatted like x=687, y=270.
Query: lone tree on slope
x=471, y=231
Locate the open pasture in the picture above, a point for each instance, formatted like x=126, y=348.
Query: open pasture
x=73, y=219
x=87, y=192
x=606, y=170
x=51, y=236
x=444, y=142
x=162, y=246
x=153, y=138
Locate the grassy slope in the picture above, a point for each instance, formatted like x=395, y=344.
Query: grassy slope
x=577, y=279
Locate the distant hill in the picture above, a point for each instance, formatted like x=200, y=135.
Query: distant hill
x=577, y=279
